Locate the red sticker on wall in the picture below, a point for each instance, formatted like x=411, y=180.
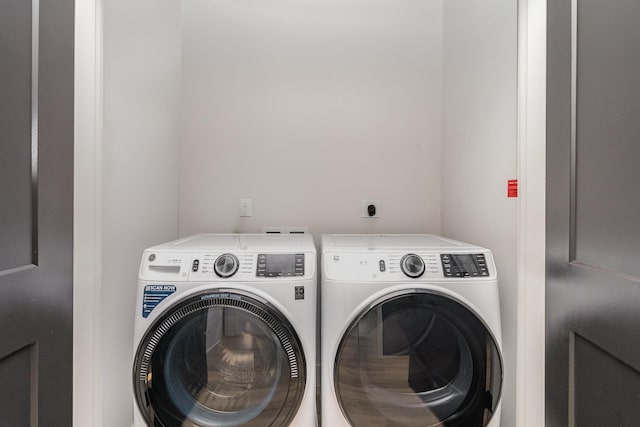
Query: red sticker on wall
x=512, y=188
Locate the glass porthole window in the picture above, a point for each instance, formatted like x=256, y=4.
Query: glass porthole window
x=220, y=359
x=417, y=358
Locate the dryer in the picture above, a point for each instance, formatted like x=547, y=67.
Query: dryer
x=411, y=332
x=225, y=332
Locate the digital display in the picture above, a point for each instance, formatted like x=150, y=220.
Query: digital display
x=464, y=265
x=280, y=265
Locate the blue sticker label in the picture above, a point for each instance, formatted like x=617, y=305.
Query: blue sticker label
x=154, y=295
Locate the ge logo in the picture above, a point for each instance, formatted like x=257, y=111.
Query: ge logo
x=299, y=292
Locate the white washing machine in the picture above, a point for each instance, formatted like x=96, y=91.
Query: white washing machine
x=225, y=332
x=411, y=332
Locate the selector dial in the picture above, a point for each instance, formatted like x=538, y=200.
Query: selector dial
x=412, y=265
x=226, y=265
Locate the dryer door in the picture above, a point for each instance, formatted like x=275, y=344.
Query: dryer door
x=220, y=358
x=417, y=358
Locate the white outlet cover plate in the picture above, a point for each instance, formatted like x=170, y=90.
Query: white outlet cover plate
x=245, y=207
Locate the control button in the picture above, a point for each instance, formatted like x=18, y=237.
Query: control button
x=382, y=265
x=196, y=265
x=412, y=265
x=226, y=265
x=152, y=257
x=336, y=257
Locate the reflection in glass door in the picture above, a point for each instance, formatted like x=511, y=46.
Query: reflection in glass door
x=221, y=360
x=418, y=359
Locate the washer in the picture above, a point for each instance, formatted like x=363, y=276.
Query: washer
x=225, y=332
x=411, y=332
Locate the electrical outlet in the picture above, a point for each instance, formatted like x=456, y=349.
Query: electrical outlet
x=370, y=208
x=245, y=207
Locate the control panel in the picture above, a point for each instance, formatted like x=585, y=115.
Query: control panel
x=237, y=266
x=464, y=265
x=420, y=265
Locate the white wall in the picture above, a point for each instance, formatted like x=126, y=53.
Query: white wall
x=479, y=148
x=139, y=175
x=307, y=107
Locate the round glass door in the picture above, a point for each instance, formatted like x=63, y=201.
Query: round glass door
x=220, y=359
x=417, y=358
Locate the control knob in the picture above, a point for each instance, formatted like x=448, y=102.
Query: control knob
x=226, y=265
x=412, y=265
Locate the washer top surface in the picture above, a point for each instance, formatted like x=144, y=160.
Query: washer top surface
x=238, y=243
x=392, y=242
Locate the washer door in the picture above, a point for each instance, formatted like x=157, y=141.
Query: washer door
x=220, y=358
x=416, y=358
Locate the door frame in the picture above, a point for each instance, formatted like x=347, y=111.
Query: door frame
x=531, y=140
x=87, y=211
x=531, y=167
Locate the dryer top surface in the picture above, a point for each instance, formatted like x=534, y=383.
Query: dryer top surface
x=392, y=242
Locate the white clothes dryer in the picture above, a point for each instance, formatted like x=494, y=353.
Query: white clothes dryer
x=411, y=332
x=225, y=332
